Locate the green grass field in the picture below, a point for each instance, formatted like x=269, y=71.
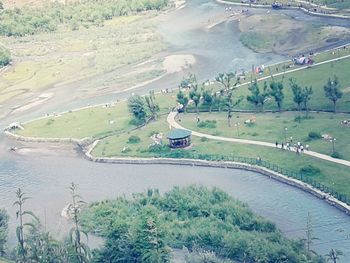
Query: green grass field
x=93, y=122
x=270, y=127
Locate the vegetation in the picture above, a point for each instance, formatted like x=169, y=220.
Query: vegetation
x=143, y=108
x=29, y=21
x=4, y=218
x=5, y=56
x=332, y=91
x=148, y=225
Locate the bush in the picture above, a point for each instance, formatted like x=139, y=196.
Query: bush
x=136, y=122
x=336, y=155
x=134, y=139
x=5, y=57
x=310, y=170
x=207, y=124
x=204, y=139
x=314, y=135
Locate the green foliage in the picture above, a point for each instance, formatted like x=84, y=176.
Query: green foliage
x=314, y=135
x=336, y=155
x=29, y=21
x=5, y=56
x=207, y=124
x=276, y=91
x=332, y=91
x=137, y=108
x=182, y=99
x=257, y=97
x=207, y=221
x=310, y=170
x=152, y=105
x=134, y=139
x=4, y=219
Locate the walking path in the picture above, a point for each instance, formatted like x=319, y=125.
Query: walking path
x=172, y=122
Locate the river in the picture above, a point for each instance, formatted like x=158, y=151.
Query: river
x=45, y=176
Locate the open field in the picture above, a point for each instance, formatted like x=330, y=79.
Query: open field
x=284, y=35
x=270, y=127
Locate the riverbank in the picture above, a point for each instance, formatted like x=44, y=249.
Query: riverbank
x=300, y=7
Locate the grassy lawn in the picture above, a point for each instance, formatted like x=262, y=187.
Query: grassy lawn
x=92, y=122
x=270, y=127
x=331, y=175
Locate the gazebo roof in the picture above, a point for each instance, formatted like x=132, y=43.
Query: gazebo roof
x=178, y=134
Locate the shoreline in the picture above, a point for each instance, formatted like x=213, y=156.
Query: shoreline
x=304, y=10
x=86, y=145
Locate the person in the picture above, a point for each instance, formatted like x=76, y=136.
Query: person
x=288, y=146
x=301, y=148
x=282, y=146
x=276, y=144
x=297, y=151
x=307, y=147
x=291, y=139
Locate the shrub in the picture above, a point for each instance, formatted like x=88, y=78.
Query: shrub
x=204, y=139
x=310, y=170
x=314, y=135
x=207, y=124
x=5, y=57
x=254, y=134
x=336, y=155
x=134, y=139
x=136, y=122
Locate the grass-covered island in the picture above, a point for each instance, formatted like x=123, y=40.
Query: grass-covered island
x=206, y=225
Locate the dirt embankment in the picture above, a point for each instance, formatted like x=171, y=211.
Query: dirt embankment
x=282, y=34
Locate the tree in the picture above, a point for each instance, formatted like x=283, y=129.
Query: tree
x=188, y=82
x=225, y=79
x=152, y=105
x=276, y=91
x=298, y=95
x=4, y=219
x=208, y=99
x=307, y=92
x=230, y=104
x=22, y=242
x=137, y=108
x=257, y=97
x=332, y=91
x=333, y=255
x=78, y=251
x=309, y=234
x=150, y=243
x=195, y=95
x=182, y=99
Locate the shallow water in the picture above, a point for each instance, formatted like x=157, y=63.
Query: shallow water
x=46, y=178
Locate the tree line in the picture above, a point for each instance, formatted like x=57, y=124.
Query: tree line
x=28, y=20
x=259, y=94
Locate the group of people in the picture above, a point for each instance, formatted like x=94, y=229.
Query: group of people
x=298, y=147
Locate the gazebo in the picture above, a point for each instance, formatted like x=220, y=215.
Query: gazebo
x=179, y=138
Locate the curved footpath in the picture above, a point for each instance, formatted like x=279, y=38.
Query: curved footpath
x=172, y=122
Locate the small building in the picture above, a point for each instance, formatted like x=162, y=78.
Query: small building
x=179, y=138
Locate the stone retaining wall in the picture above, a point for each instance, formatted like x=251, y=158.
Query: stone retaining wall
x=229, y=165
